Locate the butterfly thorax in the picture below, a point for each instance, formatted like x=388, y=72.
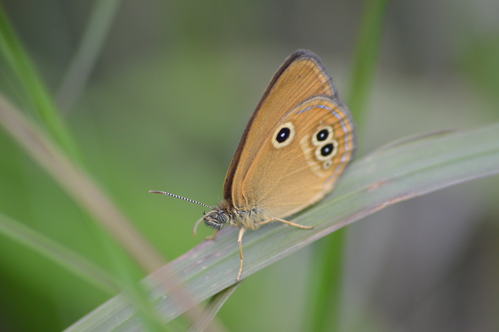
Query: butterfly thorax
x=225, y=214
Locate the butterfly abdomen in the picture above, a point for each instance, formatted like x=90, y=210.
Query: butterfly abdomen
x=249, y=218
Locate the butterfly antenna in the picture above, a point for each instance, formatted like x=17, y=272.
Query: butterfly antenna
x=179, y=197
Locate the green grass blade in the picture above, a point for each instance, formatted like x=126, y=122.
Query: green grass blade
x=325, y=306
x=88, y=51
x=78, y=184
x=385, y=177
x=87, y=194
x=366, y=58
x=73, y=262
x=215, y=304
x=325, y=290
x=39, y=98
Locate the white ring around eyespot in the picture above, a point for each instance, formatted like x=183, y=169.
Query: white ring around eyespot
x=292, y=133
x=329, y=137
x=318, y=154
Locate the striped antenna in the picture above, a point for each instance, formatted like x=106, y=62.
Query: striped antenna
x=179, y=197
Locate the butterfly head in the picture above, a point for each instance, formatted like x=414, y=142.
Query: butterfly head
x=217, y=218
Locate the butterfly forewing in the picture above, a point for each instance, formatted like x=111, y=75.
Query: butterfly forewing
x=296, y=144
x=301, y=76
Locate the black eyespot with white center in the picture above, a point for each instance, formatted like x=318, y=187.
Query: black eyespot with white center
x=283, y=135
x=322, y=135
x=326, y=151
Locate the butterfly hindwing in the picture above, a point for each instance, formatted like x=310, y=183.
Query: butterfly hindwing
x=285, y=178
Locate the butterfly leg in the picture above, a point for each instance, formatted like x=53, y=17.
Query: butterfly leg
x=285, y=222
x=212, y=237
x=240, y=243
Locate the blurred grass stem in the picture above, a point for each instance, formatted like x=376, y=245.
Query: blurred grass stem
x=88, y=51
x=325, y=315
x=85, y=192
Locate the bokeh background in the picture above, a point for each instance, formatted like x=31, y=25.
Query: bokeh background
x=165, y=106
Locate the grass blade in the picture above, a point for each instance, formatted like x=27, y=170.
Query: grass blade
x=326, y=299
x=60, y=255
x=78, y=184
x=383, y=178
x=40, y=100
x=215, y=304
x=89, y=195
x=88, y=50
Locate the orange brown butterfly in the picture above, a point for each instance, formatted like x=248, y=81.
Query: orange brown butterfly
x=296, y=144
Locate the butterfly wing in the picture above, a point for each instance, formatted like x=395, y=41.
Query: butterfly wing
x=296, y=144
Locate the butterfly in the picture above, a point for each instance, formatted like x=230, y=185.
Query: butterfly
x=296, y=144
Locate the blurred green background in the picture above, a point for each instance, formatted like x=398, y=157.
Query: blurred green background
x=165, y=106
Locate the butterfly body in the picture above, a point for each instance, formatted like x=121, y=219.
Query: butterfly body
x=224, y=214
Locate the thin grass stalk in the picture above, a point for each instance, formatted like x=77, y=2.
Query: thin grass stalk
x=41, y=101
x=325, y=314
x=58, y=254
x=87, y=53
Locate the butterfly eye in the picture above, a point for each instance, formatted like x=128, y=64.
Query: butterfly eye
x=283, y=135
x=216, y=220
x=322, y=136
x=326, y=151
x=223, y=218
x=211, y=215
